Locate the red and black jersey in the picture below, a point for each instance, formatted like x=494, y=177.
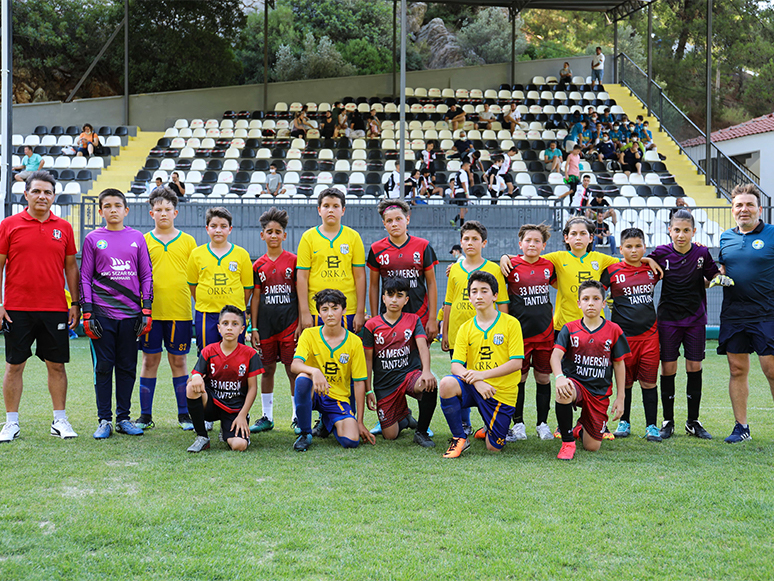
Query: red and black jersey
x=395, y=350
x=409, y=261
x=632, y=290
x=528, y=290
x=225, y=376
x=278, y=308
x=589, y=355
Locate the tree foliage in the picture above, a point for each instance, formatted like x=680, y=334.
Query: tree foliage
x=317, y=60
x=488, y=35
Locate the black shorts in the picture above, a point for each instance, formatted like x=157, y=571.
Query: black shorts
x=754, y=336
x=47, y=329
x=507, y=177
x=213, y=413
x=460, y=199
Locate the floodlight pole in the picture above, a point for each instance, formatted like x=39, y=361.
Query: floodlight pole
x=394, y=48
x=126, y=62
x=402, y=114
x=650, y=57
x=615, y=51
x=512, y=72
x=7, y=106
x=265, y=56
x=708, y=126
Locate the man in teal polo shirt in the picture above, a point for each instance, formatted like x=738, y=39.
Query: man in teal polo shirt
x=30, y=162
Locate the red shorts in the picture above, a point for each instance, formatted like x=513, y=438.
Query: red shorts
x=539, y=356
x=280, y=347
x=394, y=408
x=643, y=361
x=593, y=415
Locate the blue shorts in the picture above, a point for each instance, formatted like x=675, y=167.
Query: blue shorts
x=596, y=75
x=175, y=335
x=331, y=410
x=350, y=320
x=496, y=415
x=756, y=336
x=207, y=330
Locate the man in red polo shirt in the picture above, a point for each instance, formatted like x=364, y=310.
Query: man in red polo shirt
x=37, y=251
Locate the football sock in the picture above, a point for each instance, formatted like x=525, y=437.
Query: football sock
x=267, y=403
x=403, y=424
x=650, y=404
x=303, y=399
x=196, y=410
x=543, y=402
x=147, y=389
x=452, y=410
x=564, y=421
x=293, y=402
x=60, y=415
x=12, y=417
x=625, y=417
x=668, y=397
x=182, y=401
x=345, y=442
x=466, y=416
x=426, y=410
x=518, y=415
x=693, y=391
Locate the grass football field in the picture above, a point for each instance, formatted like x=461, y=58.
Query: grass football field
x=143, y=508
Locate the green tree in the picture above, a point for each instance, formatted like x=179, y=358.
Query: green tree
x=317, y=60
x=249, y=46
x=488, y=35
x=366, y=58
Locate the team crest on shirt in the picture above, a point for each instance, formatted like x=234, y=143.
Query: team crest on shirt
x=595, y=265
x=102, y=244
x=407, y=334
x=498, y=339
x=344, y=358
x=344, y=248
x=700, y=263
x=288, y=273
x=242, y=370
x=547, y=273
x=57, y=234
x=232, y=266
x=607, y=344
x=417, y=258
x=757, y=244
x=650, y=275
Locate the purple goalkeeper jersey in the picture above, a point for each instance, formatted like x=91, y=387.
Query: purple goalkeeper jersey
x=683, y=299
x=116, y=275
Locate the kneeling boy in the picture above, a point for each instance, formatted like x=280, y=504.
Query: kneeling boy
x=224, y=384
x=327, y=359
x=486, y=364
x=586, y=354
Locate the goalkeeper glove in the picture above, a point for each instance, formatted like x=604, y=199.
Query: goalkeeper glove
x=144, y=323
x=722, y=280
x=91, y=326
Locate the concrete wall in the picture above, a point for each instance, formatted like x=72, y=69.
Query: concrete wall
x=157, y=111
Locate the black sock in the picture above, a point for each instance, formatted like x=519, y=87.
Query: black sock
x=426, y=410
x=196, y=411
x=462, y=221
x=543, y=402
x=650, y=405
x=626, y=416
x=668, y=397
x=693, y=391
x=518, y=415
x=403, y=424
x=564, y=421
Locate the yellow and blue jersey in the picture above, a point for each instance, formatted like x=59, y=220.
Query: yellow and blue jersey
x=220, y=281
x=171, y=297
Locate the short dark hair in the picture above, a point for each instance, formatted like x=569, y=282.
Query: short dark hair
x=591, y=284
x=632, y=233
x=486, y=277
x=388, y=204
x=231, y=310
x=274, y=215
x=746, y=189
x=330, y=296
x=682, y=215
x=162, y=193
x=42, y=176
x=217, y=212
x=544, y=230
x=578, y=220
x=331, y=193
x=395, y=284
x=89, y=125
x=111, y=193
x=28, y=147
x=474, y=225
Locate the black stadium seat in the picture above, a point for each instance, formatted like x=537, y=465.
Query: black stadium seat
x=67, y=175
x=40, y=130
x=373, y=178
x=539, y=178
x=215, y=165
x=152, y=163
x=246, y=165
x=340, y=178
x=56, y=130
x=210, y=177
x=644, y=191
x=121, y=131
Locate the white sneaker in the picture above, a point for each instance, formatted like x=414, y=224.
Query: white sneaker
x=9, y=432
x=62, y=429
x=544, y=432
x=516, y=433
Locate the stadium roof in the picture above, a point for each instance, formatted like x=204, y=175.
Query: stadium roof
x=615, y=9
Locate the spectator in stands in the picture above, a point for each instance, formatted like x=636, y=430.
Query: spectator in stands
x=607, y=119
x=576, y=133
x=374, y=125
x=357, y=126
x=159, y=182
x=630, y=158
x=300, y=125
x=485, y=118
x=428, y=157
x=455, y=117
x=565, y=76
x=392, y=185
x=456, y=251
x=581, y=196
x=328, y=126
x=597, y=67
x=616, y=135
x=494, y=182
x=461, y=147
x=598, y=205
x=603, y=235
x=427, y=185
x=411, y=188
x=553, y=156
x=606, y=149
x=87, y=142
x=680, y=204
x=572, y=171
x=512, y=117
x=31, y=162
x=177, y=186
x=273, y=185
x=342, y=120
x=459, y=192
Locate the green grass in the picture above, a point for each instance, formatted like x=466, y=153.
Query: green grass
x=142, y=508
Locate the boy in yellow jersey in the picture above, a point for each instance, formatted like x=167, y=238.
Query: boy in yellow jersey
x=219, y=273
x=327, y=359
x=169, y=250
x=457, y=309
x=331, y=256
x=486, y=364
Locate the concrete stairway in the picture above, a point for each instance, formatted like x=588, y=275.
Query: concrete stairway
x=122, y=169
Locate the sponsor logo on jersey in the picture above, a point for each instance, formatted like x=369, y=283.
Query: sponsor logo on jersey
x=57, y=234
x=757, y=244
x=120, y=265
x=232, y=266
x=417, y=258
x=498, y=339
x=407, y=334
x=133, y=244
x=344, y=248
x=102, y=244
x=344, y=358
x=242, y=369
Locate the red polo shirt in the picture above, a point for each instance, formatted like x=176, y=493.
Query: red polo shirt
x=35, y=255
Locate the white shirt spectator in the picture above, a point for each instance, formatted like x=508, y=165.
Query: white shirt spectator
x=598, y=61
